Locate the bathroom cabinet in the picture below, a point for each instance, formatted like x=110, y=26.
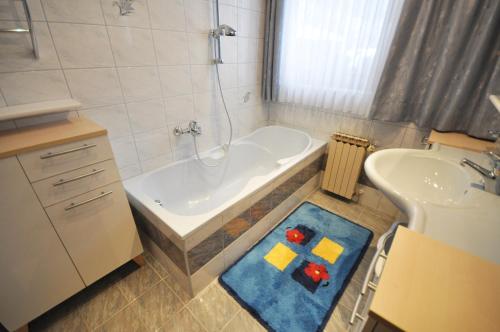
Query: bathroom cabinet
x=65, y=221
x=428, y=285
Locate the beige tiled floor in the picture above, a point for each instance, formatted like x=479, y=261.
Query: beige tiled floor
x=148, y=299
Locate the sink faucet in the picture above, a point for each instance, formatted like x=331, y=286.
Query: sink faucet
x=491, y=174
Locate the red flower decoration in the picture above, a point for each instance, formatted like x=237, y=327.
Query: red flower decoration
x=316, y=272
x=295, y=236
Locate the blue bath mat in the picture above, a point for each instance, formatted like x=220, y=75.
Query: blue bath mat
x=292, y=279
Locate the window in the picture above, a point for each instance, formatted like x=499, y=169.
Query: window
x=333, y=52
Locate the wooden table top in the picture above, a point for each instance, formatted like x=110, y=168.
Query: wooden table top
x=461, y=141
x=21, y=140
x=428, y=285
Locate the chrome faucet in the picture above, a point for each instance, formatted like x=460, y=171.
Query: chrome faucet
x=491, y=174
x=193, y=129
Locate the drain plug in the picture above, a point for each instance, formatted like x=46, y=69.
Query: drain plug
x=157, y=201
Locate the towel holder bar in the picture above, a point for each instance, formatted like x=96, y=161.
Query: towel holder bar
x=29, y=30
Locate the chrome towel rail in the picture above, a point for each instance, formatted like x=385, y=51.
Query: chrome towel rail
x=29, y=30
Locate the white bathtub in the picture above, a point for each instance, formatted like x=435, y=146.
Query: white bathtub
x=186, y=194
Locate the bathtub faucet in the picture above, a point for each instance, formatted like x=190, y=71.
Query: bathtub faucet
x=193, y=128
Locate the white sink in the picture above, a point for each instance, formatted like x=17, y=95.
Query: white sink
x=440, y=196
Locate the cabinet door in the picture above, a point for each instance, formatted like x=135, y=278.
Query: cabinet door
x=98, y=230
x=37, y=272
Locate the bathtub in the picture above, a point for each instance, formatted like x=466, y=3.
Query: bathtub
x=197, y=220
x=186, y=194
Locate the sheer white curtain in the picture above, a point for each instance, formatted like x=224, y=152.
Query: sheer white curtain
x=333, y=52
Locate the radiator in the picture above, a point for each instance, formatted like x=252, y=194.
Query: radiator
x=346, y=154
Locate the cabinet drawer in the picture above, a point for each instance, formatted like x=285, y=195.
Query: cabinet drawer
x=98, y=231
x=63, y=186
x=41, y=164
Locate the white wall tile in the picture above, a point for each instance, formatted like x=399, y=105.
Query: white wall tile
x=413, y=138
x=125, y=151
x=94, y=87
x=254, y=95
x=228, y=74
x=114, y=118
x=152, y=144
x=228, y=15
x=259, y=5
x=167, y=14
x=198, y=16
x=16, y=51
x=156, y=162
x=74, y=11
x=139, y=83
x=13, y=10
x=81, y=45
x=200, y=49
x=139, y=18
x=33, y=86
x=203, y=77
x=356, y=126
x=229, y=2
x=250, y=23
x=229, y=49
x=150, y=63
x=250, y=49
x=129, y=171
x=132, y=46
x=171, y=47
x=205, y=104
x=179, y=109
x=175, y=80
x=387, y=135
x=146, y=115
x=249, y=74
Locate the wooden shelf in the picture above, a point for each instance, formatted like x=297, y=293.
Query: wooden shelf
x=16, y=141
x=461, y=141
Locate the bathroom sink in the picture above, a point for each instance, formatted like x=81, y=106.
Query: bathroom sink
x=426, y=179
x=441, y=198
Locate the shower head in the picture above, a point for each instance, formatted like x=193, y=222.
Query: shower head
x=224, y=30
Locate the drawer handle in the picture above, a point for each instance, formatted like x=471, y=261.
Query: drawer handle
x=101, y=195
x=55, y=154
x=62, y=181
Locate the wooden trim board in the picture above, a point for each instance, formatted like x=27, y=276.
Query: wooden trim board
x=21, y=140
x=428, y=285
x=461, y=141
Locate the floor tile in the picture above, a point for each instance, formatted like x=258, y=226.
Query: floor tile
x=64, y=317
x=148, y=298
x=137, y=280
x=243, y=321
x=183, y=321
x=177, y=288
x=339, y=321
x=158, y=305
x=348, y=210
x=213, y=308
x=350, y=294
x=100, y=301
x=155, y=264
x=126, y=320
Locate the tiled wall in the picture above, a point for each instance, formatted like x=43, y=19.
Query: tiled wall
x=383, y=135
x=321, y=124
x=138, y=75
